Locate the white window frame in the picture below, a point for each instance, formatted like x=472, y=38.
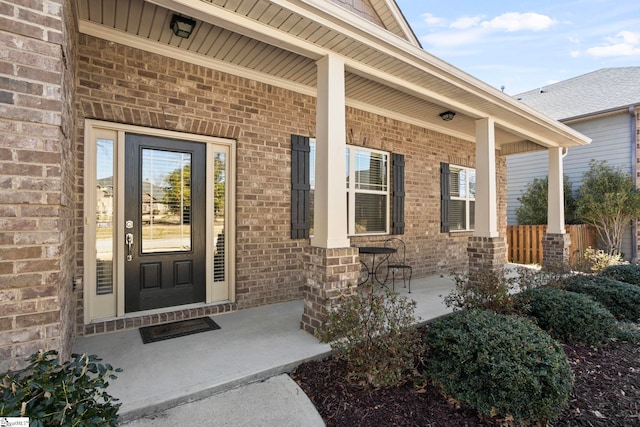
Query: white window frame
x=467, y=198
x=351, y=189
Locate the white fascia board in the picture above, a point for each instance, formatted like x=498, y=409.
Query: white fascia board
x=369, y=34
x=333, y=16
x=126, y=39
x=572, y=138
x=384, y=41
x=402, y=21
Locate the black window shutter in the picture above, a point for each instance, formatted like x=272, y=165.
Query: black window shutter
x=397, y=220
x=445, y=197
x=300, y=188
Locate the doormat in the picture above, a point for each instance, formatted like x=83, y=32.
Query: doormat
x=177, y=329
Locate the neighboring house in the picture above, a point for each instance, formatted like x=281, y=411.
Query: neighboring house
x=605, y=106
x=265, y=105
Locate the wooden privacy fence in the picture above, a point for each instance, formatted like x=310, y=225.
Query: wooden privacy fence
x=525, y=242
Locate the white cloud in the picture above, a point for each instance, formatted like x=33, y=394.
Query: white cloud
x=514, y=21
x=453, y=38
x=432, y=20
x=625, y=43
x=466, y=22
x=472, y=29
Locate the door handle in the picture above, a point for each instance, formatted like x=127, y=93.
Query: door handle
x=128, y=239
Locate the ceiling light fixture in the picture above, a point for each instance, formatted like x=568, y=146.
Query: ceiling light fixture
x=182, y=26
x=447, y=116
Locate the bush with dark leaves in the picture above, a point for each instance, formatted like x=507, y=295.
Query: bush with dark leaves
x=569, y=317
x=503, y=366
x=52, y=394
x=621, y=299
x=628, y=273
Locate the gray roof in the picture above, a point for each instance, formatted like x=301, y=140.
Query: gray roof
x=603, y=90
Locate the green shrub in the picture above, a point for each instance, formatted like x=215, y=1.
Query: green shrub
x=621, y=299
x=374, y=333
x=553, y=275
x=504, y=366
x=628, y=273
x=484, y=290
x=569, y=317
x=628, y=331
x=67, y=395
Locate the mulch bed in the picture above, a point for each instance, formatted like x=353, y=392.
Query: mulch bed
x=606, y=393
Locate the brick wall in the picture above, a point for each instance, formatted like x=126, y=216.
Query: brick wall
x=121, y=84
x=428, y=250
x=38, y=173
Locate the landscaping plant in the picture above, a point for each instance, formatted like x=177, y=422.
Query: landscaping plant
x=495, y=291
x=534, y=199
x=374, y=333
x=596, y=260
x=628, y=273
x=51, y=394
x=569, y=317
x=504, y=366
x=621, y=299
x=485, y=289
x=629, y=331
x=609, y=201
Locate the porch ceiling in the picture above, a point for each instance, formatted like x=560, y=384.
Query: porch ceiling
x=278, y=42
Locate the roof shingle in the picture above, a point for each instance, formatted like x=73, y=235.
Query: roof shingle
x=602, y=90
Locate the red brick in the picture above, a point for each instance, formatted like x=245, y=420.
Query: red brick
x=20, y=253
x=13, y=308
x=39, y=157
x=35, y=319
x=6, y=323
x=19, y=336
x=38, y=292
x=37, y=265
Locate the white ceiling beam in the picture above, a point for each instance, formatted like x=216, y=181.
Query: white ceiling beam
x=117, y=36
x=126, y=39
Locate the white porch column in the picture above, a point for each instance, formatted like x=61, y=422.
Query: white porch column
x=330, y=203
x=555, y=209
x=486, y=195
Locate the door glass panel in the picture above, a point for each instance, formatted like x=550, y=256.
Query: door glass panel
x=104, y=217
x=165, y=201
x=219, y=208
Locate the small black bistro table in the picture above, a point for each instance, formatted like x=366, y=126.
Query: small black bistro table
x=372, y=270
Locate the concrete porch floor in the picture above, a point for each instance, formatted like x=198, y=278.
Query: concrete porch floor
x=252, y=345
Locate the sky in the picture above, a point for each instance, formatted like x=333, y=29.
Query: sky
x=528, y=44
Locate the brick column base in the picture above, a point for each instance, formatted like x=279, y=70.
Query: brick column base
x=555, y=250
x=486, y=253
x=329, y=273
